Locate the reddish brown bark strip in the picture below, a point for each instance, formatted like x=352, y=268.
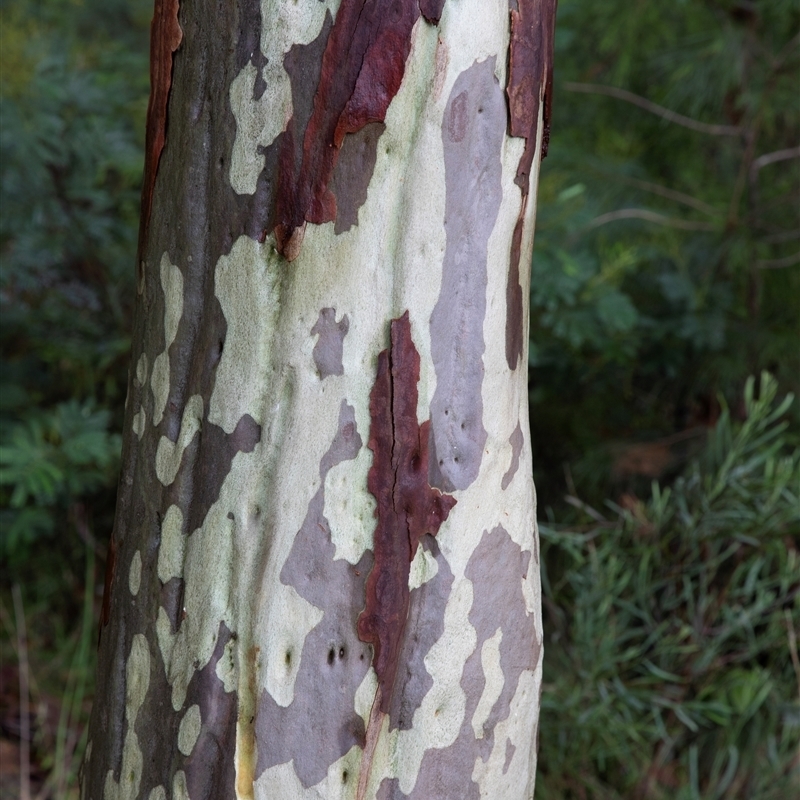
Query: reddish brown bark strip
x=165, y=38
x=362, y=68
x=407, y=507
x=530, y=83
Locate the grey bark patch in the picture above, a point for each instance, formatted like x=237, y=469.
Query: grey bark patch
x=516, y=440
x=511, y=748
x=472, y=134
x=353, y=172
x=425, y=625
x=211, y=767
x=172, y=602
x=328, y=350
x=333, y=662
x=496, y=569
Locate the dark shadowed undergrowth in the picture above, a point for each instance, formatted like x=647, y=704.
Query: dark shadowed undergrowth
x=671, y=655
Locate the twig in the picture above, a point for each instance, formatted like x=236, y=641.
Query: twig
x=777, y=263
x=777, y=155
x=653, y=108
x=672, y=194
x=24, y=698
x=650, y=216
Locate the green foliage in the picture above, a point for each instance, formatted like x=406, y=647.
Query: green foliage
x=655, y=283
x=670, y=630
x=73, y=92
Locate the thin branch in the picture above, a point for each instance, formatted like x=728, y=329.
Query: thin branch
x=653, y=108
x=777, y=263
x=24, y=698
x=778, y=155
x=672, y=194
x=783, y=236
x=651, y=216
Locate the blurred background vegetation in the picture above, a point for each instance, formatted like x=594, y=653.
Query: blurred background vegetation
x=666, y=274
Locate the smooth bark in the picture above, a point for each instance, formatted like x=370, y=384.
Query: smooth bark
x=323, y=579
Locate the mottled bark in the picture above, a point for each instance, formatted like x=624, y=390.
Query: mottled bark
x=323, y=577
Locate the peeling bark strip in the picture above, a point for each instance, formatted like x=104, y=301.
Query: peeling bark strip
x=530, y=82
x=408, y=507
x=362, y=68
x=165, y=38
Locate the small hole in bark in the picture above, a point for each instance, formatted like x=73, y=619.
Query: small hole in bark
x=446, y=411
x=344, y=777
x=441, y=462
x=331, y=655
x=220, y=347
x=463, y=426
x=361, y=657
x=221, y=161
x=341, y=652
x=288, y=658
x=455, y=459
x=480, y=109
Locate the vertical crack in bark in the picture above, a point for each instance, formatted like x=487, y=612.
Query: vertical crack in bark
x=407, y=509
x=530, y=84
x=165, y=38
x=362, y=68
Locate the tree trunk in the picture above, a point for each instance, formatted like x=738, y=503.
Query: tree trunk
x=323, y=579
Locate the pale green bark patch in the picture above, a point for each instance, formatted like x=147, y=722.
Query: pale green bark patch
x=172, y=286
x=135, y=573
x=189, y=730
x=169, y=454
x=173, y=543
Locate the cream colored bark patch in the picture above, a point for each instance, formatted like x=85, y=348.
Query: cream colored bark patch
x=141, y=370
x=349, y=507
x=139, y=422
x=245, y=281
x=137, y=681
x=226, y=667
x=172, y=286
x=169, y=454
x=172, y=548
x=179, y=788
x=258, y=122
x=189, y=730
x=292, y=618
x=159, y=793
x=492, y=688
x=135, y=573
x=423, y=568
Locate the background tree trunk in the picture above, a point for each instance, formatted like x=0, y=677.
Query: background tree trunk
x=323, y=579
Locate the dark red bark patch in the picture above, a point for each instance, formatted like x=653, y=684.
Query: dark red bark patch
x=407, y=506
x=530, y=82
x=362, y=68
x=165, y=38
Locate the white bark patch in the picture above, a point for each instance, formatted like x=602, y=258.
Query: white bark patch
x=135, y=573
x=139, y=422
x=423, y=568
x=349, y=507
x=245, y=281
x=493, y=675
x=438, y=720
x=339, y=784
x=137, y=680
x=189, y=730
x=172, y=286
x=495, y=778
x=258, y=122
x=169, y=454
x=292, y=619
x=365, y=694
x=173, y=545
x=142, y=368
x=159, y=793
